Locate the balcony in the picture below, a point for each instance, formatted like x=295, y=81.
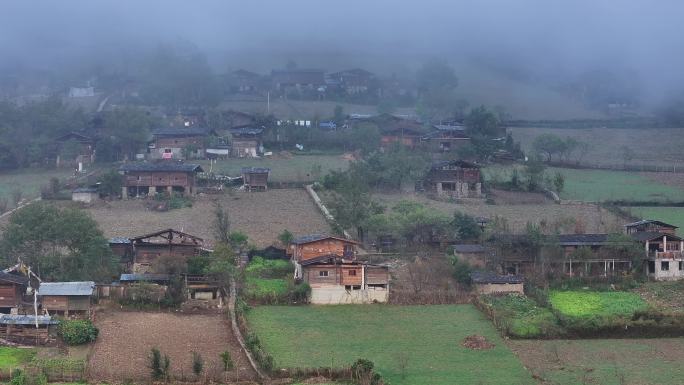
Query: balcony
x=673, y=254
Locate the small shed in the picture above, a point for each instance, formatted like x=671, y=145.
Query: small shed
x=66, y=297
x=85, y=194
x=26, y=329
x=255, y=178
x=491, y=283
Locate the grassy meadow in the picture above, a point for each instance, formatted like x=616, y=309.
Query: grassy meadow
x=600, y=185
x=28, y=181
x=295, y=168
x=427, y=338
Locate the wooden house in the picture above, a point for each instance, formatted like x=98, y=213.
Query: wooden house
x=475, y=255
x=143, y=178
x=178, y=143
x=454, y=179
x=27, y=329
x=246, y=142
x=328, y=264
x=255, y=178
x=243, y=81
x=148, y=249
x=394, y=129
x=297, y=80
x=78, y=147
x=354, y=81
x=445, y=139
x=492, y=283
x=66, y=298
x=12, y=289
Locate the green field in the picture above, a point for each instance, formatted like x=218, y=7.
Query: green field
x=654, y=361
x=14, y=357
x=672, y=215
x=581, y=304
x=28, y=181
x=600, y=185
x=297, y=168
x=427, y=338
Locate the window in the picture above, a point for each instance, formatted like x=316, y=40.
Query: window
x=665, y=265
x=323, y=273
x=352, y=287
x=681, y=265
x=167, y=150
x=352, y=273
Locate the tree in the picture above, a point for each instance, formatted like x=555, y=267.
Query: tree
x=221, y=225
x=285, y=238
x=111, y=183
x=465, y=227
x=559, y=182
x=197, y=363
x=534, y=174
x=482, y=121
x=339, y=115
x=128, y=129
x=227, y=361
x=548, y=145
x=159, y=365
x=62, y=244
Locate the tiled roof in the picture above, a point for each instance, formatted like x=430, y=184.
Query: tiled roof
x=13, y=278
x=582, y=239
x=643, y=236
x=469, y=248
x=180, y=131
x=648, y=221
x=489, y=277
x=255, y=170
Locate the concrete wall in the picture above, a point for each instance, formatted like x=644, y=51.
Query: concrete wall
x=490, y=288
x=667, y=275
x=334, y=295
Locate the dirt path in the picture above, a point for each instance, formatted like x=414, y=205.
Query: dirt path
x=125, y=340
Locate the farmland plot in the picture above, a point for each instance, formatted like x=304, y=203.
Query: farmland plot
x=260, y=215
x=121, y=350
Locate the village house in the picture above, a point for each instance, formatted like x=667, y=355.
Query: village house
x=475, y=255
x=454, y=179
x=85, y=194
x=246, y=142
x=12, y=290
x=445, y=139
x=255, y=178
x=243, y=81
x=492, y=283
x=144, y=253
x=663, y=249
x=354, y=81
x=297, y=80
x=66, y=298
x=328, y=264
x=74, y=148
x=149, y=178
x=178, y=143
x=394, y=129
x=27, y=329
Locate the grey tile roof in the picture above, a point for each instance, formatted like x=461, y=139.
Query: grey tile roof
x=182, y=131
x=163, y=166
x=255, y=170
x=13, y=278
x=119, y=240
x=85, y=190
x=14, y=319
x=582, y=239
x=469, y=248
x=643, y=236
x=66, y=288
x=647, y=221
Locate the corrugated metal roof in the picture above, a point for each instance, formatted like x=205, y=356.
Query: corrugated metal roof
x=66, y=288
x=255, y=170
x=15, y=319
x=120, y=240
x=143, y=277
x=85, y=190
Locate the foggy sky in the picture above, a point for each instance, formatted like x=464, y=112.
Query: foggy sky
x=545, y=37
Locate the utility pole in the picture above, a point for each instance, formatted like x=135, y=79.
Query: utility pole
x=268, y=102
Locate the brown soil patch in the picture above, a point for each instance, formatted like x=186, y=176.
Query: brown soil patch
x=476, y=342
x=126, y=338
x=260, y=215
x=518, y=197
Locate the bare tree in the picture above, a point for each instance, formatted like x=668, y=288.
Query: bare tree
x=221, y=224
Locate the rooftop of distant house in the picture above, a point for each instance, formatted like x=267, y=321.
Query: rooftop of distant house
x=317, y=237
x=650, y=221
x=180, y=131
x=84, y=288
x=486, y=277
x=162, y=166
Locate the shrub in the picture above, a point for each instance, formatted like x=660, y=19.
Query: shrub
x=77, y=332
x=159, y=366
x=18, y=377
x=227, y=361
x=197, y=363
x=520, y=317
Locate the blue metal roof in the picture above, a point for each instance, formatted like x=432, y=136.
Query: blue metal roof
x=15, y=319
x=143, y=277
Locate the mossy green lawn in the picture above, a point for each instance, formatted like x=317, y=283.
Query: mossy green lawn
x=15, y=357
x=430, y=337
x=579, y=304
